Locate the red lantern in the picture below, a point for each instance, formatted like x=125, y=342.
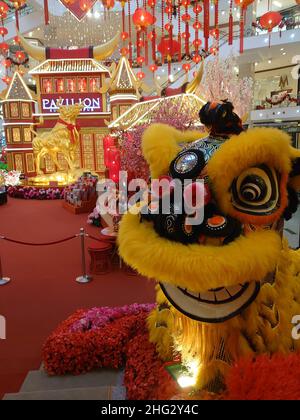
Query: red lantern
x=109, y=4
x=197, y=9
x=141, y=75
x=185, y=3
x=6, y=79
x=142, y=18
x=6, y=63
x=269, y=20
x=4, y=46
x=3, y=8
x=197, y=42
x=20, y=55
x=186, y=17
x=185, y=35
x=168, y=27
x=186, y=67
x=124, y=35
x=197, y=58
x=215, y=33
x=168, y=46
x=197, y=26
x=3, y=31
x=243, y=3
x=153, y=68
x=17, y=40
x=151, y=3
x=140, y=60
x=124, y=51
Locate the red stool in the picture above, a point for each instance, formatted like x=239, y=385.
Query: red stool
x=101, y=256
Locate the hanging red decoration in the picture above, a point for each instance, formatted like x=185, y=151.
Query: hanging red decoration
x=4, y=47
x=168, y=46
x=197, y=26
x=46, y=12
x=186, y=17
x=124, y=51
x=197, y=58
x=3, y=31
x=140, y=60
x=186, y=67
x=152, y=3
x=197, y=43
x=230, y=24
x=153, y=68
x=6, y=79
x=270, y=20
x=20, y=56
x=108, y=4
x=141, y=75
x=3, y=9
x=142, y=18
x=17, y=40
x=6, y=63
x=243, y=3
x=124, y=36
x=206, y=7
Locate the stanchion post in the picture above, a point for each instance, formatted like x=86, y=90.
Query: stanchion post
x=3, y=280
x=85, y=278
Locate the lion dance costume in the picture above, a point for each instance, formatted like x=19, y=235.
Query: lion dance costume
x=229, y=287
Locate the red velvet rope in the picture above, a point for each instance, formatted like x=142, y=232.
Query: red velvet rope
x=38, y=244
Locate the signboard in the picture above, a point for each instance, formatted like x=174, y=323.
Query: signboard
x=92, y=102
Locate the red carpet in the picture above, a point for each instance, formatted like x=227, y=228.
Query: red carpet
x=43, y=290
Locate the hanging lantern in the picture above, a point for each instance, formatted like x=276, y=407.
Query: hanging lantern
x=197, y=26
x=197, y=58
x=20, y=56
x=6, y=63
x=197, y=43
x=151, y=35
x=168, y=46
x=151, y=3
x=215, y=33
x=153, y=68
x=140, y=60
x=124, y=36
x=124, y=51
x=4, y=8
x=17, y=40
x=197, y=8
x=186, y=67
x=3, y=31
x=186, y=17
x=142, y=18
x=270, y=20
x=243, y=3
x=168, y=27
x=4, y=46
x=141, y=75
x=6, y=79
x=108, y=4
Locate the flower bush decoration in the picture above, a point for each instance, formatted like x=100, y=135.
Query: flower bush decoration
x=12, y=178
x=32, y=193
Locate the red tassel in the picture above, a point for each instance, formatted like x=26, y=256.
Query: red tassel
x=230, y=24
x=242, y=30
x=130, y=33
x=46, y=12
x=17, y=19
x=206, y=22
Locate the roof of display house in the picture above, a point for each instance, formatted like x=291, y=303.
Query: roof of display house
x=83, y=65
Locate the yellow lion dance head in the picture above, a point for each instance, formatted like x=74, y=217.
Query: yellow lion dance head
x=227, y=287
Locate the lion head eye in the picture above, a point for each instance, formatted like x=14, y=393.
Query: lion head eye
x=256, y=191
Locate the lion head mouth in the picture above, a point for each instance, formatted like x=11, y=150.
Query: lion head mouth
x=215, y=305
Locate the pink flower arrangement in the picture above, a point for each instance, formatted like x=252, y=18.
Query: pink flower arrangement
x=99, y=317
x=32, y=193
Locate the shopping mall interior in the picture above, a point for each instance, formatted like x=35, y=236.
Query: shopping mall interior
x=108, y=109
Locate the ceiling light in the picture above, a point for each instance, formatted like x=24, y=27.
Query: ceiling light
x=281, y=49
x=256, y=64
x=277, y=3
x=270, y=61
x=292, y=36
x=284, y=53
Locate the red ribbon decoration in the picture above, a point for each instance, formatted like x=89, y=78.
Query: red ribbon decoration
x=230, y=37
x=206, y=22
x=17, y=19
x=242, y=29
x=46, y=12
x=71, y=128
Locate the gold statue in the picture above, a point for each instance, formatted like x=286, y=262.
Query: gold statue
x=63, y=138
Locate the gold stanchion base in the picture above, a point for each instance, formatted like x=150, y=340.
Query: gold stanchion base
x=4, y=281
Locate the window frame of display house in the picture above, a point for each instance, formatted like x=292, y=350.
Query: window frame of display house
x=97, y=87
x=11, y=115
x=68, y=80
x=27, y=133
x=42, y=85
x=78, y=84
x=8, y=135
x=56, y=79
x=26, y=106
